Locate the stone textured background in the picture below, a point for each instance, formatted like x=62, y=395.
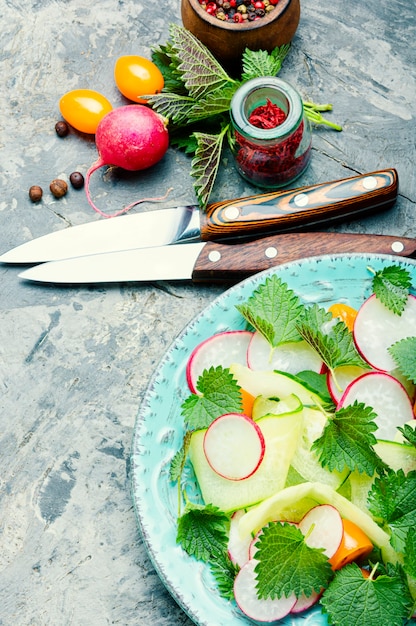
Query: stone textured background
x=75, y=362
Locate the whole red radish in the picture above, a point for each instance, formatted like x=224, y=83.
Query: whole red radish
x=132, y=137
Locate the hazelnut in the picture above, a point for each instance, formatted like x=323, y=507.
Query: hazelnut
x=62, y=129
x=77, y=180
x=58, y=187
x=35, y=193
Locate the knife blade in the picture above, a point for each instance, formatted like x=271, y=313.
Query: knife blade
x=244, y=218
x=212, y=261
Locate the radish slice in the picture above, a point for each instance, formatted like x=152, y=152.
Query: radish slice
x=257, y=609
x=386, y=395
x=293, y=357
x=322, y=527
x=303, y=603
x=238, y=549
x=345, y=375
x=222, y=349
x=376, y=328
x=234, y=446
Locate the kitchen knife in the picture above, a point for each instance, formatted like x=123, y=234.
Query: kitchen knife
x=212, y=261
x=244, y=218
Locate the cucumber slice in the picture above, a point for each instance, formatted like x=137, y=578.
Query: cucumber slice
x=263, y=406
x=276, y=507
x=273, y=385
x=281, y=435
x=397, y=455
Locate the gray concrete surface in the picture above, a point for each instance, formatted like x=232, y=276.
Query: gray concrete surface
x=75, y=362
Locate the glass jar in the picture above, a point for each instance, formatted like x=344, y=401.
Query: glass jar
x=274, y=156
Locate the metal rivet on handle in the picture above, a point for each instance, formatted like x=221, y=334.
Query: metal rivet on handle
x=231, y=212
x=214, y=256
x=270, y=253
x=370, y=182
x=397, y=246
x=301, y=199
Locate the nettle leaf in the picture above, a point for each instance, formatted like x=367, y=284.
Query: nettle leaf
x=408, y=433
x=391, y=286
x=336, y=345
x=206, y=162
x=214, y=103
x=286, y=564
x=353, y=599
x=201, y=72
x=175, y=107
x=262, y=63
x=219, y=393
x=274, y=311
x=163, y=56
x=404, y=354
x=178, y=462
x=347, y=441
x=410, y=553
x=224, y=572
x=202, y=531
x=392, y=498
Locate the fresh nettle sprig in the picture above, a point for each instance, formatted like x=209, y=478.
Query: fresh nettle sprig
x=197, y=95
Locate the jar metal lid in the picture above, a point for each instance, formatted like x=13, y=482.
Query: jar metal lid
x=254, y=93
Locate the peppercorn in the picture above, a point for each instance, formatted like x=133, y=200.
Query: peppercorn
x=35, y=193
x=62, y=129
x=58, y=187
x=77, y=180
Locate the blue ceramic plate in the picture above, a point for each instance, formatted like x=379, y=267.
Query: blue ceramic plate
x=159, y=428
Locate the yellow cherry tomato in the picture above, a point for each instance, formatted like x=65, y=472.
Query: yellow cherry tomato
x=354, y=545
x=136, y=76
x=84, y=109
x=346, y=313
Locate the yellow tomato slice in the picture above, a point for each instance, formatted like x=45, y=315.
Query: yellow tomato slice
x=247, y=401
x=354, y=545
x=346, y=313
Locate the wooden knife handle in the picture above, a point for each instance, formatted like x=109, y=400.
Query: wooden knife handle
x=220, y=262
x=294, y=209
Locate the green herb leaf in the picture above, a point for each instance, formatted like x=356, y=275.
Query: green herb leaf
x=404, y=354
x=262, y=63
x=201, y=72
x=408, y=433
x=175, y=107
x=214, y=103
x=347, y=441
x=410, y=553
x=391, y=286
x=336, y=346
x=219, y=394
x=178, y=461
x=392, y=499
x=206, y=162
x=224, y=572
x=286, y=564
x=274, y=310
x=202, y=531
x=164, y=58
x=353, y=599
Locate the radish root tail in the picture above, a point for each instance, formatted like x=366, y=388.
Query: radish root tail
x=95, y=166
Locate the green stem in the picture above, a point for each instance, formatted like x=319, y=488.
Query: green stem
x=312, y=112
